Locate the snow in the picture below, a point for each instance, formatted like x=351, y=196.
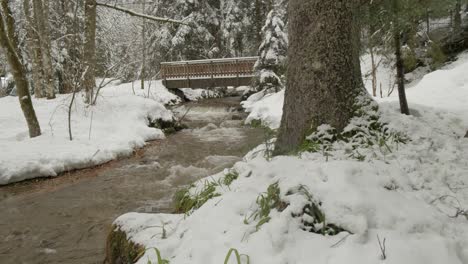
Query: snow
x=198, y=94
x=406, y=195
x=267, y=108
x=116, y=126
x=446, y=89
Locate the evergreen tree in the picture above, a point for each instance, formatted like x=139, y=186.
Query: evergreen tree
x=270, y=66
x=202, y=38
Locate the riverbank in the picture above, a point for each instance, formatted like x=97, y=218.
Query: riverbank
x=67, y=219
x=113, y=128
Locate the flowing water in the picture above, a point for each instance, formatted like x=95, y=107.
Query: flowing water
x=66, y=219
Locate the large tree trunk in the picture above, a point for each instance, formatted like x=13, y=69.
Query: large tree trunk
x=41, y=14
x=89, y=81
x=323, y=72
x=9, y=42
x=399, y=62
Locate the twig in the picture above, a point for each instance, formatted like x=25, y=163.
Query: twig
x=341, y=240
x=383, y=248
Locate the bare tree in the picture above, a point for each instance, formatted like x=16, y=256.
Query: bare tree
x=9, y=42
x=323, y=72
x=89, y=81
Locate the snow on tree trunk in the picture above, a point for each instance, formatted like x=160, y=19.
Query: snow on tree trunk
x=323, y=69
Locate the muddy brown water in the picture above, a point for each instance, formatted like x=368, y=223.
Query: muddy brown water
x=67, y=219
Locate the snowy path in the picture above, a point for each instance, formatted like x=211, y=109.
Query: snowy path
x=66, y=219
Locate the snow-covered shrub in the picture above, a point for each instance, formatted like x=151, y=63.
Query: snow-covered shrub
x=365, y=133
x=313, y=218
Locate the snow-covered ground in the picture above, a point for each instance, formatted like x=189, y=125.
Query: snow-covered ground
x=116, y=126
x=445, y=89
x=407, y=202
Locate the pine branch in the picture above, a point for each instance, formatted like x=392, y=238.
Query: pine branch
x=136, y=14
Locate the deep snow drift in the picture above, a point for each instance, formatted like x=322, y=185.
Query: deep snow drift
x=412, y=197
x=114, y=127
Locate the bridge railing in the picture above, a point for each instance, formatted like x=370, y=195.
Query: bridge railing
x=208, y=69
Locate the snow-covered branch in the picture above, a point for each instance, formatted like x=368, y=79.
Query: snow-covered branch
x=133, y=13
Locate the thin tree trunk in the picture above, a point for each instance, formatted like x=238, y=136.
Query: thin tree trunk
x=89, y=81
x=43, y=32
x=143, y=43
x=428, y=22
x=258, y=22
x=323, y=72
x=374, y=66
x=399, y=63
x=72, y=41
x=457, y=20
x=35, y=51
x=9, y=42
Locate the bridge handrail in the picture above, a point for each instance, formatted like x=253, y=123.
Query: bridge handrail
x=210, y=61
x=209, y=69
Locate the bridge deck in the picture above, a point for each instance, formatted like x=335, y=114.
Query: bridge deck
x=208, y=73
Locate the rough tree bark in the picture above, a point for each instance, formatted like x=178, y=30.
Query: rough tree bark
x=399, y=62
x=89, y=81
x=41, y=19
x=9, y=42
x=323, y=72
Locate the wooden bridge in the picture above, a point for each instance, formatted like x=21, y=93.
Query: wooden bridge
x=208, y=73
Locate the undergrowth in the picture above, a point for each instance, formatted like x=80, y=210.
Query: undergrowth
x=366, y=131
x=313, y=219
x=160, y=260
x=237, y=255
x=266, y=202
x=188, y=199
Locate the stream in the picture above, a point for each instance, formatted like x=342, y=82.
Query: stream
x=66, y=219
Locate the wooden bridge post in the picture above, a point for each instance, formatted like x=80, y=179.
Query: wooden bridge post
x=237, y=72
x=212, y=73
x=187, y=75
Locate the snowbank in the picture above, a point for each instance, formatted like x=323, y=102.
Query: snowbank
x=445, y=89
x=113, y=128
x=266, y=108
x=407, y=196
x=411, y=197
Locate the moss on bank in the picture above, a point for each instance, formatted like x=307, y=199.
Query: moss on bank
x=120, y=250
